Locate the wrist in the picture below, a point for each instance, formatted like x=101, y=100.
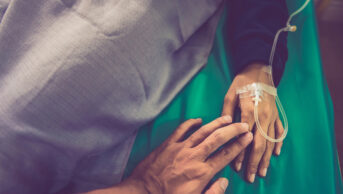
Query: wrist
x=132, y=185
x=254, y=67
x=128, y=186
x=255, y=72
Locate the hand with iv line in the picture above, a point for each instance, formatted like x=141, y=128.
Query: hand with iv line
x=261, y=149
x=247, y=90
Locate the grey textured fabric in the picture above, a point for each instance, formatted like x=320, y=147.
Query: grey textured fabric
x=79, y=77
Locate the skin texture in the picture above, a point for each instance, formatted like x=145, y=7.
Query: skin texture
x=261, y=149
x=182, y=165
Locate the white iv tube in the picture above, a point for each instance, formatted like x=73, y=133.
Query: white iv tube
x=289, y=28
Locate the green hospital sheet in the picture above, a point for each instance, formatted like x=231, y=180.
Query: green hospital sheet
x=308, y=162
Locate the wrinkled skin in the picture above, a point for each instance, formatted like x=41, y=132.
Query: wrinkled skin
x=182, y=165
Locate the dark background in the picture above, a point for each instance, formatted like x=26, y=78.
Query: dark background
x=330, y=27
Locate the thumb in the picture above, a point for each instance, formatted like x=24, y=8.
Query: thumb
x=218, y=187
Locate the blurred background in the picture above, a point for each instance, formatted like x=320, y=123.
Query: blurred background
x=330, y=28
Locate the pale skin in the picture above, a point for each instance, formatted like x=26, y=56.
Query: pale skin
x=261, y=149
x=185, y=166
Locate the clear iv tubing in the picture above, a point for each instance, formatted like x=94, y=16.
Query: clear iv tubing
x=271, y=58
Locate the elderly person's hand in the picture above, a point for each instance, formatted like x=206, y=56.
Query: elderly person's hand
x=261, y=149
x=186, y=165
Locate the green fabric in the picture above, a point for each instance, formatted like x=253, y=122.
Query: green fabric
x=308, y=161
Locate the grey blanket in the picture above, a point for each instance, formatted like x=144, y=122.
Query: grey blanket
x=79, y=77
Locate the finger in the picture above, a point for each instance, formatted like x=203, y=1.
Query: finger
x=218, y=187
x=264, y=164
x=247, y=112
x=207, y=129
x=279, y=130
x=176, y=136
x=257, y=151
x=230, y=102
x=223, y=157
x=218, y=138
x=186, y=126
x=247, y=116
x=239, y=161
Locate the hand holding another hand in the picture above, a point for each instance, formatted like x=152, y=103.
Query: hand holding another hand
x=182, y=165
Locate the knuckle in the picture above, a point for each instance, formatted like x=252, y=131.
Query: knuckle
x=259, y=148
x=246, y=116
x=194, y=171
x=218, y=136
x=226, y=153
x=264, y=114
x=211, y=167
x=191, y=139
x=192, y=156
x=201, y=133
x=253, y=167
x=207, y=147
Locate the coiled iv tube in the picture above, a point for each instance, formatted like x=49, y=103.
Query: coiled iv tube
x=287, y=28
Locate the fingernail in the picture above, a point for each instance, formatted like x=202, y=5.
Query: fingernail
x=250, y=136
x=264, y=172
x=228, y=118
x=278, y=151
x=247, y=138
x=224, y=183
x=238, y=166
x=251, y=178
x=245, y=126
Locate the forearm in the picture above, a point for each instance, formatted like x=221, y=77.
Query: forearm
x=254, y=25
x=127, y=186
